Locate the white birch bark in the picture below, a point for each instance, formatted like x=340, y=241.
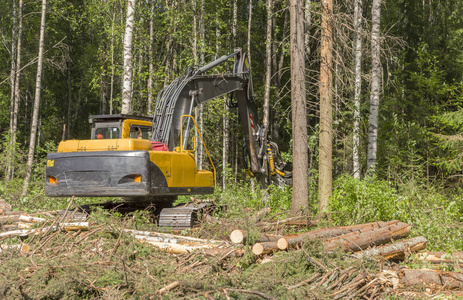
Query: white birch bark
x=375, y=85
x=249, y=31
x=357, y=85
x=128, y=57
x=14, y=81
x=111, y=92
x=308, y=26
x=151, y=58
x=268, y=66
x=13, y=63
x=35, y=113
x=199, y=108
x=226, y=121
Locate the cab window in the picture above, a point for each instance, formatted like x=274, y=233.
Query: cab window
x=145, y=132
x=106, y=133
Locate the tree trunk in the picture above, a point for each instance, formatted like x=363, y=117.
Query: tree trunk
x=12, y=91
x=112, y=66
x=35, y=113
x=226, y=119
x=325, y=183
x=396, y=251
x=358, y=84
x=268, y=67
x=298, y=109
x=249, y=31
x=308, y=26
x=151, y=58
x=375, y=85
x=199, y=108
x=128, y=56
x=16, y=98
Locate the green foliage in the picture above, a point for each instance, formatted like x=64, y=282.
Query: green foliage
x=429, y=212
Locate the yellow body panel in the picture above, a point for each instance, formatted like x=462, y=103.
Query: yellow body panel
x=104, y=145
x=180, y=170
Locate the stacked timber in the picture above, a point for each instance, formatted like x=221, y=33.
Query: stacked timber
x=372, y=240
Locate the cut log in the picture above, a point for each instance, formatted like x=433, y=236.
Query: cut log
x=29, y=219
x=365, y=238
x=84, y=226
x=24, y=248
x=426, y=277
x=397, y=250
x=174, y=248
x=239, y=236
x=439, y=257
x=27, y=232
x=224, y=252
x=264, y=248
x=9, y=219
x=22, y=225
x=171, y=237
x=168, y=287
x=22, y=232
x=8, y=227
x=377, y=224
x=297, y=240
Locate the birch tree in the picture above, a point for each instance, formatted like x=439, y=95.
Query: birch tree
x=35, y=113
x=151, y=58
x=357, y=84
x=375, y=85
x=325, y=168
x=298, y=109
x=268, y=66
x=226, y=120
x=128, y=57
x=15, y=76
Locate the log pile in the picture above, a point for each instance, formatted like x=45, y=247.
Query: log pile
x=362, y=239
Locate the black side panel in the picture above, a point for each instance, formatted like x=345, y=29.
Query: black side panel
x=103, y=173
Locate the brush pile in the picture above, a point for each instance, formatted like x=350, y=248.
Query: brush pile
x=74, y=254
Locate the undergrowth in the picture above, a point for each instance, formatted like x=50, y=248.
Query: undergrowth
x=435, y=215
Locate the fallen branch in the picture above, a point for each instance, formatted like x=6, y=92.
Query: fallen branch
x=168, y=287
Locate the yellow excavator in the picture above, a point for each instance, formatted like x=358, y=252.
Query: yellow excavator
x=153, y=157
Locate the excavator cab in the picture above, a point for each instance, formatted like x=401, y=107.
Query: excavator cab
x=120, y=126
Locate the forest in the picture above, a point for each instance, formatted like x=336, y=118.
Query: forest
x=382, y=84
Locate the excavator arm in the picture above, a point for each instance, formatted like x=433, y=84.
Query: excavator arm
x=187, y=91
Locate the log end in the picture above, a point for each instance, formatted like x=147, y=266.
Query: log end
x=282, y=244
x=25, y=248
x=258, y=249
x=237, y=236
